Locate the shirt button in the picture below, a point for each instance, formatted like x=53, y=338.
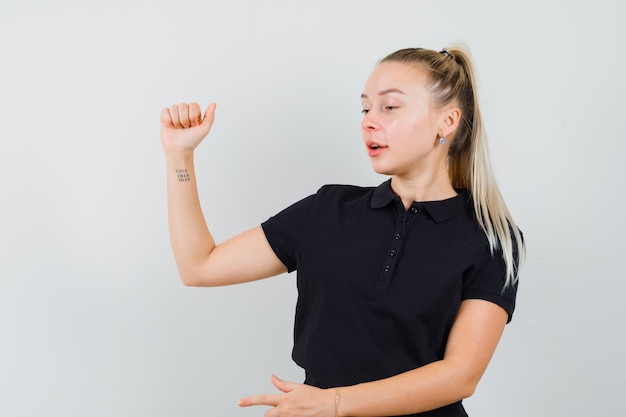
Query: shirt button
x=414, y=210
x=398, y=236
x=387, y=268
x=393, y=252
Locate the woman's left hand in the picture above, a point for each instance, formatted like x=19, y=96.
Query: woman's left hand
x=296, y=400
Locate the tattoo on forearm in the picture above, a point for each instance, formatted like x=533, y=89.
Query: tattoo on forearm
x=182, y=175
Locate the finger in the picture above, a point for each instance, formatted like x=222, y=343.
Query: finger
x=173, y=110
x=271, y=400
x=183, y=114
x=195, y=115
x=166, y=120
x=284, y=386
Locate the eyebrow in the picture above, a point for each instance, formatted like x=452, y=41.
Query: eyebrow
x=386, y=91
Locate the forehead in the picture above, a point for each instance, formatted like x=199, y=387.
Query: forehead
x=396, y=75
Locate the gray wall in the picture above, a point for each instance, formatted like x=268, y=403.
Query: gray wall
x=93, y=318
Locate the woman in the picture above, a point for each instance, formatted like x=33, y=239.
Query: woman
x=403, y=289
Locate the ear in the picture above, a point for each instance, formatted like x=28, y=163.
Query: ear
x=450, y=119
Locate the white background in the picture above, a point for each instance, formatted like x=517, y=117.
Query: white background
x=93, y=318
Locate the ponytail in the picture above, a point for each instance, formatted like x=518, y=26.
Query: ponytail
x=452, y=81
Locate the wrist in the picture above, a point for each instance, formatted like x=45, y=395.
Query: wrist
x=179, y=158
x=179, y=152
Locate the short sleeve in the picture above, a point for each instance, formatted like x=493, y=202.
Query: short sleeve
x=485, y=280
x=283, y=230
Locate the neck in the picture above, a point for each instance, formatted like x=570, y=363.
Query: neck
x=433, y=187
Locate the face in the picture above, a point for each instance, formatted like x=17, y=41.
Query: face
x=401, y=128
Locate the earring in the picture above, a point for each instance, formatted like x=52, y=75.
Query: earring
x=442, y=140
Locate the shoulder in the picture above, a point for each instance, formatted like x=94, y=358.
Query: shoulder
x=327, y=197
x=344, y=192
x=345, y=189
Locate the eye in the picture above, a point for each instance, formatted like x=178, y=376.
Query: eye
x=365, y=111
x=389, y=108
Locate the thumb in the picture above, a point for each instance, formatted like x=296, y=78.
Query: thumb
x=284, y=386
x=209, y=117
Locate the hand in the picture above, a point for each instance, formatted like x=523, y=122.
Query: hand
x=183, y=127
x=297, y=400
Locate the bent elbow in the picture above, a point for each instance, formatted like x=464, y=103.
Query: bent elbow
x=188, y=277
x=197, y=277
x=188, y=282
x=468, y=388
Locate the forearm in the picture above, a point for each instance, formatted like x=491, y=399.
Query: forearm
x=190, y=237
x=472, y=340
x=429, y=387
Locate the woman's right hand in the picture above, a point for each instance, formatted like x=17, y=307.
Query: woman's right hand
x=183, y=127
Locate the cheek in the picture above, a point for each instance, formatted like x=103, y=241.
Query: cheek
x=401, y=128
x=413, y=131
x=422, y=129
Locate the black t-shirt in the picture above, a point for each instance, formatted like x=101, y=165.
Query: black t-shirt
x=379, y=286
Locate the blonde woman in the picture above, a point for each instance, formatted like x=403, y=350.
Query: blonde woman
x=404, y=289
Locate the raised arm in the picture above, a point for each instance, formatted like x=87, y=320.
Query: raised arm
x=200, y=262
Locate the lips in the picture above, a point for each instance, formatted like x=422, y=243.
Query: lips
x=375, y=148
x=374, y=145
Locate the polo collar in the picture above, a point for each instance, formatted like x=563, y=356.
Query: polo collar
x=438, y=210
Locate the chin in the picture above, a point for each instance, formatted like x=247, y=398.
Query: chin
x=382, y=170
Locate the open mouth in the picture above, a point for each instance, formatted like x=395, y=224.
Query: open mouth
x=375, y=149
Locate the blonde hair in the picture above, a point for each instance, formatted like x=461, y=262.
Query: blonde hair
x=452, y=80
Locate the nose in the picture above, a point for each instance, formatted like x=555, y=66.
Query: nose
x=369, y=123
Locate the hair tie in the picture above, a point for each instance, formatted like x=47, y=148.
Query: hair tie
x=445, y=52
